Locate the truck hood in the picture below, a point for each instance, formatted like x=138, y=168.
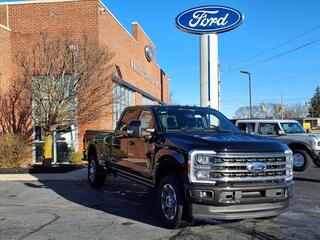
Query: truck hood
x=306, y=135
x=222, y=141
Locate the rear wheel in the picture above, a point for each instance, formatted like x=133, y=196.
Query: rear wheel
x=170, y=201
x=96, y=176
x=301, y=160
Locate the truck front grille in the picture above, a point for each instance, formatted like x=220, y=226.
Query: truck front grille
x=233, y=167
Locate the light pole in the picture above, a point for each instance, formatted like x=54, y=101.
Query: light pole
x=249, y=74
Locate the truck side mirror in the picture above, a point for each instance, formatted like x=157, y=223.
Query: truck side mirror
x=134, y=129
x=150, y=130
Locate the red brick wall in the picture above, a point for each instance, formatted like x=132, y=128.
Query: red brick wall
x=78, y=17
x=5, y=59
x=28, y=20
x=126, y=48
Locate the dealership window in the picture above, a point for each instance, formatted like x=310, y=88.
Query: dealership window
x=4, y=15
x=122, y=98
x=148, y=101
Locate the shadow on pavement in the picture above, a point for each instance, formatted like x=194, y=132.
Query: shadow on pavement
x=119, y=197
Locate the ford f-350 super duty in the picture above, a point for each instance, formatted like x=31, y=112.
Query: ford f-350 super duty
x=200, y=164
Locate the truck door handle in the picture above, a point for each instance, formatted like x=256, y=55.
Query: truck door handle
x=131, y=143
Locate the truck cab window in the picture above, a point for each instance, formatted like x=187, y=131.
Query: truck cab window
x=128, y=116
x=246, y=127
x=147, y=122
x=268, y=128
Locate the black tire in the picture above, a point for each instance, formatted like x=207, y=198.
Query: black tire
x=96, y=176
x=170, y=218
x=302, y=160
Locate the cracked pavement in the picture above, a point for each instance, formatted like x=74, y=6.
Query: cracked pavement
x=125, y=210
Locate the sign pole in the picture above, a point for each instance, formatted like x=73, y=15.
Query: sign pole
x=209, y=21
x=209, y=71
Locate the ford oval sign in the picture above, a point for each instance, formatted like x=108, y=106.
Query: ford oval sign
x=208, y=19
x=257, y=167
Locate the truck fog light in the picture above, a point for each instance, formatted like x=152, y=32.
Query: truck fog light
x=206, y=194
x=203, y=194
x=203, y=174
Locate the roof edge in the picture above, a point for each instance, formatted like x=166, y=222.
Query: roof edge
x=103, y=5
x=136, y=23
x=35, y=1
x=5, y=28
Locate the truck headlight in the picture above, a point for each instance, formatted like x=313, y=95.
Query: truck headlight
x=200, y=166
x=289, y=164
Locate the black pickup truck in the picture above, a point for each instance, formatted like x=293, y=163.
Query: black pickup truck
x=200, y=164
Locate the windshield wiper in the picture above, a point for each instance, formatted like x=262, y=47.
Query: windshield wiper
x=217, y=130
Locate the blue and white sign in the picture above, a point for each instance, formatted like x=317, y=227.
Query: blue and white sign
x=208, y=19
x=257, y=167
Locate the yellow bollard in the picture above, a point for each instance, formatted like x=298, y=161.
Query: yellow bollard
x=47, y=151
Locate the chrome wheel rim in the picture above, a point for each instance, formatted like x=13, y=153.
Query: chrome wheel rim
x=298, y=160
x=168, y=202
x=92, y=170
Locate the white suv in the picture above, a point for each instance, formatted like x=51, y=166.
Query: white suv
x=305, y=146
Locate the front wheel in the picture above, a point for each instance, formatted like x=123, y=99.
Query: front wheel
x=300, y=160
x=96, y=176
x=170, y=201
x=317, y=162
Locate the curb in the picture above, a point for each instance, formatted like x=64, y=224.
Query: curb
x=77, y=175
x=29, y=177
x=306, y=179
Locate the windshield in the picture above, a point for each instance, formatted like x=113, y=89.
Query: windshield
x=173, y=119
x=292, y=127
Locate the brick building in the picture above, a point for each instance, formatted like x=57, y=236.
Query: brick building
x=142, y=81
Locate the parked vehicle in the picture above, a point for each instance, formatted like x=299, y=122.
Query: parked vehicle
x=201, y=165
x=305, y=146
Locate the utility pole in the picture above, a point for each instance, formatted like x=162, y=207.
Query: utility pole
x=250, y=102
x=219, y=84
x=282, y=112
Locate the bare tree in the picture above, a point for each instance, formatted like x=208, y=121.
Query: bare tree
x=296, y=111
x=16, y=110
x=171, y=99
x=243, y=112
x=70, y=80
x=272, y=111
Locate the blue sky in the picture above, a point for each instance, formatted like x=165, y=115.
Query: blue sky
x=267, y=23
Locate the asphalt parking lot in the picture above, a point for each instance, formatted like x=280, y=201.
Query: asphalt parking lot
x=125, y=210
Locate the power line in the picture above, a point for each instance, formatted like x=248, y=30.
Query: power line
x=288, y=78
x=263, y=99
x=278, y=55
x=278, y=80
x=275, y=47
x=259, y=101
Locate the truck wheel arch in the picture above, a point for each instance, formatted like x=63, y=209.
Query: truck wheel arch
x=92, y=151
x=168, y=165
x=302, y=146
